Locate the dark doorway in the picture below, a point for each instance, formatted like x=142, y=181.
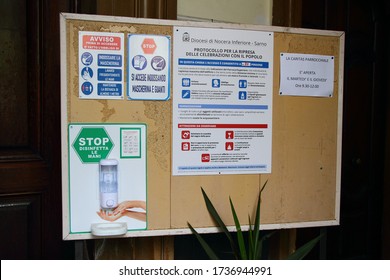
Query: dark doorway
x=360, y=234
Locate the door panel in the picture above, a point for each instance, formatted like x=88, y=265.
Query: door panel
x=23, y=174
x=20, y=220
x=359, y=234
x=13, y=69
x=30, y=170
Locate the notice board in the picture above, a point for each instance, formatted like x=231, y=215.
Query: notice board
x=127, y=84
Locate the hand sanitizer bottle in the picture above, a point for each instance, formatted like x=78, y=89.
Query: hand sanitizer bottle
x=108, y=184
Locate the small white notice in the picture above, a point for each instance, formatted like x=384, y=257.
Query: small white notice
x=306, y=75
x=130, y=142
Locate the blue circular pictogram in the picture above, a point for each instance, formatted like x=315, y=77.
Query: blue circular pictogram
x=87, y=73
x=139, y=62
x=87, y=88
x=86, y=58
x=158, y=63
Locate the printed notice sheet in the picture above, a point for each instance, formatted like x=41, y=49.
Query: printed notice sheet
x=306, y=75
x=148, y=67
x=222, y=105
x=101, y=56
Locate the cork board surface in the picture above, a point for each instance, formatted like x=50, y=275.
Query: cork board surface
x=303, y=187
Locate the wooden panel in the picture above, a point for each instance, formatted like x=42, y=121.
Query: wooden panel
x=19, y=102
x=287, y=13
x=23, y=177
x=161, y=9
x=13, y=70
x=19, y=72
x=19, y=235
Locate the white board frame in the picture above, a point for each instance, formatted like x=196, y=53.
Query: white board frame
x=64, y=17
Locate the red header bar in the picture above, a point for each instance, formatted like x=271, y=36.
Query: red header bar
x=191, y=125
x=99, y=42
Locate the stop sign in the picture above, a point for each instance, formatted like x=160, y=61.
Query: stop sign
x=148, y=46
x=92, y=144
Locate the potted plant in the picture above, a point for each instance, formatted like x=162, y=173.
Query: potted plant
x=252, y=249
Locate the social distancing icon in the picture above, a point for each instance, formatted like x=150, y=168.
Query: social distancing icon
x=87, y=88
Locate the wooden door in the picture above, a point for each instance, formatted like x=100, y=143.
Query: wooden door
x=30, y=140
x=359, y=235
x=30, y=165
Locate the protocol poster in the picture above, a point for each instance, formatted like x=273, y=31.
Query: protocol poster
x=222, y=105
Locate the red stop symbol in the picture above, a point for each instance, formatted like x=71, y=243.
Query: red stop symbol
x=148, y=46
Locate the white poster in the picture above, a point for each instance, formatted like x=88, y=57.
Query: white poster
x=148, y=67
x=107, y=175
x=306, y=75
x=222, y=105
x=101, y=56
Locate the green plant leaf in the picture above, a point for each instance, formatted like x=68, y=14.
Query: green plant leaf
x=255, y=241
x=301, y=252
x=256, y=230
x=240, y=237
x=263, y=187
x=214, y=214
x=204, y=244
x=250, y=240
x=257, y=246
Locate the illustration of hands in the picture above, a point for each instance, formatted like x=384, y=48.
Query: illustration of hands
x=126, y=208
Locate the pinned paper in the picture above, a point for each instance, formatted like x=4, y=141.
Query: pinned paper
x=306, y=75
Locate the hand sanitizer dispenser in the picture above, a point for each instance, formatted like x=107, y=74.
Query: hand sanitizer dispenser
x=108, y=192
x=108, y=184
